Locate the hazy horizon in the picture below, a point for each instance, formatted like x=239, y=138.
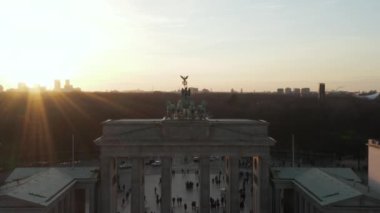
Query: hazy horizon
x=138, y=44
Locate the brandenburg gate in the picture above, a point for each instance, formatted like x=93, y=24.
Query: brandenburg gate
x=185, y=131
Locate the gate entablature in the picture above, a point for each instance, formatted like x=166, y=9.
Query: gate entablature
x=209, y=131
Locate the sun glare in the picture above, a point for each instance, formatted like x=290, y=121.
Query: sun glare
x=48, y=40
x=32, y=79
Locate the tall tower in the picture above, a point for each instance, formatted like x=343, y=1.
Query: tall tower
x=67, y=84
x=57, y=85
x=322, y=91
x=68, y=87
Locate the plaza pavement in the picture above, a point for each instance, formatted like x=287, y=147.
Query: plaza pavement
x=152, y=176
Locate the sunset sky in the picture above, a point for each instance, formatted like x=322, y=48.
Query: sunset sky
x=222, y=44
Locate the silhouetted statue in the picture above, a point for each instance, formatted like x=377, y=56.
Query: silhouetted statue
x=185, y=108
x=184, y=82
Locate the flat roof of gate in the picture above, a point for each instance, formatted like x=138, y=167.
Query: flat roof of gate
x=223, y=120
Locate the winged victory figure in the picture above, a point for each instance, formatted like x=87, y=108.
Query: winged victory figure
x=184, y=82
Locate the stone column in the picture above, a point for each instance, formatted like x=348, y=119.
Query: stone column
x=87, y=200
x=255, y=185
x=295, y=202
x=108, y=181
x=204, y=167
x=62, y=205
x=265, y=192
x=72, y=200
x=137, y=182
x=67, y=202
x=233, y=197
x=307, y=206
x=90, y=192
x=311, y=208
x=262, y=199
x=300, y=203
x=166, y=184
x=277, y=200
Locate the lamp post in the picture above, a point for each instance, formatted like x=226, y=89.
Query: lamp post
x=72, y=150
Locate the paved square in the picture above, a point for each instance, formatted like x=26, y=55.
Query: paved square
x=179, y=190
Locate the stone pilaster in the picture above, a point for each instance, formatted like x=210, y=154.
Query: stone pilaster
x=108, y=185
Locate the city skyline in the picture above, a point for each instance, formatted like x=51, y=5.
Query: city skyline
x=127, y=45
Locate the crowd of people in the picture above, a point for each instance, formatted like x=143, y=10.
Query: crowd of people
x=217, y=204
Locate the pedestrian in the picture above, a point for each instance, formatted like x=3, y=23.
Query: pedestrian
x=185, y=207
x=242, y=205
x=193, y=205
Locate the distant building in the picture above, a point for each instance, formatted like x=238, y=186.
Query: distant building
x=205, y=91
x=68, y=87
x=373, y=165
x=22, y=87
x=297, y=91
x=193, y=90
x=288, y=90
x=305, y=91
x=38, y=88
x=57, y=85
x=321, y=190
x=322, y=91
x=280, y=91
